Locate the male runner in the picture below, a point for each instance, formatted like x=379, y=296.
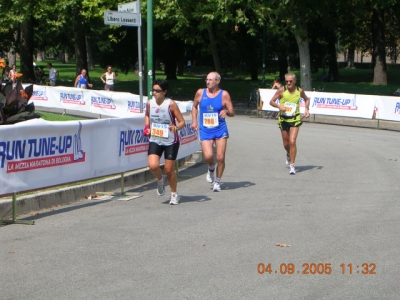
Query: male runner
x=289, y=120
x=213, y=105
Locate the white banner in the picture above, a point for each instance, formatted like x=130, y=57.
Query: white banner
x=266, y=96
x=333, y=104
x=37, y=153
x=388, y=108
x=105, y=103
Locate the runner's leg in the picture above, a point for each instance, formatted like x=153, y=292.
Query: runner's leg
x=169, y=168
x=293, y=132
x=154, y=165
x=221, y=150
x=207, y=148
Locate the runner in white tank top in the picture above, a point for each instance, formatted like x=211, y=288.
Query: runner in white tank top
x=162, y=121
x=109, y=80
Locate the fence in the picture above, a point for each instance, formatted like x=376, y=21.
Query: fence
x=345, y=105
x=37, y=154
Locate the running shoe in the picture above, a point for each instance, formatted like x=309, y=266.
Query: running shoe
x=292, y=170
x=174, y=199
x=161, y=184
x=287, y=159
x=216, y=187
x=210, y=176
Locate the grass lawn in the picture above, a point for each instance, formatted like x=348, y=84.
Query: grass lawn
x=356, y=81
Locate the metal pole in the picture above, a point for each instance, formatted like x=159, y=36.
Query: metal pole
x=140, y=58
x=149, y=47
x=122, y=184
x=263, y=69
x=14, y=207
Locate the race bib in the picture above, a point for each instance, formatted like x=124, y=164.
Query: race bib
x=159, y=130
x=83, y=86
x=290, y=109
x=210, y=120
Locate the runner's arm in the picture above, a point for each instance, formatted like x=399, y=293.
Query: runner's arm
x=278, y=94
x=195, y=106
x=178, y=116
x=307, y=103
x=227, y=103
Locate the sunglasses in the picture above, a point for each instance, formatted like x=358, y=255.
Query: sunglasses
x=289, y=81
x=157, y=91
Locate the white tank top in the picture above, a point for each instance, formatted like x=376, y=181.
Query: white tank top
x=161, y=116
x=109, y=78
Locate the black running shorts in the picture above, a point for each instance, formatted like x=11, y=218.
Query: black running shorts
x=170, y=152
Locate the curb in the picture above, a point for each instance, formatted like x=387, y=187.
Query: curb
x=52, y=198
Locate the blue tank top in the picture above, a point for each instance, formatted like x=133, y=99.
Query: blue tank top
x=82, y=83
x=212, y=126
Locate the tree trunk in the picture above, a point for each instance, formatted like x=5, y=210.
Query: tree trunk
x=80, y=42
x=350, y=57
x=333, y=66
x=89, y=53
x=378, y=31
x=40, y=56
x=66, y=57
x=214, y=49
x=305, y=65
x=61, y=57
x=11, y=56
x=26, y=47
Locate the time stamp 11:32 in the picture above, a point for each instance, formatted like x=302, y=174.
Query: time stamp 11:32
x=317, y=268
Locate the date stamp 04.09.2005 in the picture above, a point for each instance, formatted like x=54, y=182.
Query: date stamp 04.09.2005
x=317, y=268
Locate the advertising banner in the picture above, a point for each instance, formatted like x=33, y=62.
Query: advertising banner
x=37, y=153
x=388, y=108
x=333, y=104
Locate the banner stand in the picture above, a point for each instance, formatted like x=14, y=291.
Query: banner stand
x=177, y=171
x=14, y=214
x=258, y=109
x=122, y=193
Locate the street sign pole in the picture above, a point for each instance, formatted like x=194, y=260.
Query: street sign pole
x=129, y=15
x=149, y=48
x=140, y=73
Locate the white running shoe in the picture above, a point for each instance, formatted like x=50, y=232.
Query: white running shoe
x=216, y=187
x=174, y=199
x=160, y=185
x=292, y=170
x=287, y=159
x=210, y=176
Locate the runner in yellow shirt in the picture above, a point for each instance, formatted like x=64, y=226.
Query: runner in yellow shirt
x=289, y=120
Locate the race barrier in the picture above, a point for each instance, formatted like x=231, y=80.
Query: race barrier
x=103, y=103
x=37, y=153
x=344, y=105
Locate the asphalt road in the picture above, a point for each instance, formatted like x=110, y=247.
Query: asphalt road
x=339, y=213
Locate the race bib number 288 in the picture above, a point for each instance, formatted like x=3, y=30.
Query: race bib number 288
x=210, y=120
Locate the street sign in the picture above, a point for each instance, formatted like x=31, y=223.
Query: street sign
x=121, y=18
x=130, y=7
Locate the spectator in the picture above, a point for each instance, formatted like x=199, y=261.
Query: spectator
x=12, y=71
x=52, y=74
x=109, y=80
x=82, y=80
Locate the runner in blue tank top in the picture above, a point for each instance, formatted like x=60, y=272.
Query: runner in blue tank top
x=213, y=105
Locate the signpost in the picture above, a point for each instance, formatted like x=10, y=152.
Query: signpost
x=130, y=7
x=128, y=14
x=120, y=18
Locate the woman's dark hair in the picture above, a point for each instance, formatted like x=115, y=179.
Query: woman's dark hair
x=277, y=79
x=163, y=84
